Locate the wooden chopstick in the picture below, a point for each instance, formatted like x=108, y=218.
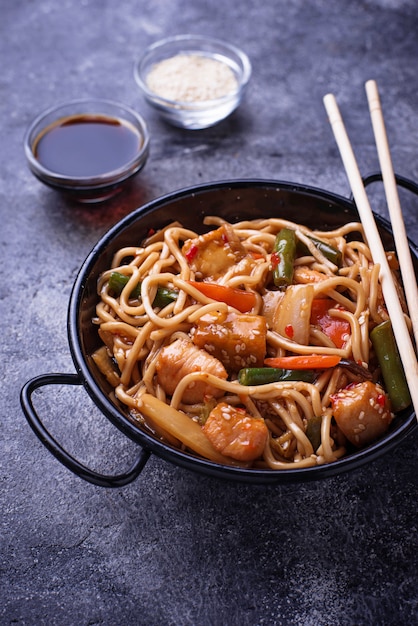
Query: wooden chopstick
x=400, y=329
x=394, y=206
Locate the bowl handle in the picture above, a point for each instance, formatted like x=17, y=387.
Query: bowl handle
x=57, y=450
x=406, y=183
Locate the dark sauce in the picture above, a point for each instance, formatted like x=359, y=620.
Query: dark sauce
x=87, y=145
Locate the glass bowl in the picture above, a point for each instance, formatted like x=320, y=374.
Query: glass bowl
x=87, y=148
x=221, y=85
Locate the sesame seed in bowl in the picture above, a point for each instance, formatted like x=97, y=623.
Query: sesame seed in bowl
x=193, y=82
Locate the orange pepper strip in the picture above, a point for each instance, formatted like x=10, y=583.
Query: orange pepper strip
x=314, y=361
x=242, y=300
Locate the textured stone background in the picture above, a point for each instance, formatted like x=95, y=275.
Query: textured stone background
x=176, y=548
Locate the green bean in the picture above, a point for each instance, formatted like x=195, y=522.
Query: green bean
x=387, y=353
x=117, y=282
x=332, y=254
x=265, y=375
x=283, y=257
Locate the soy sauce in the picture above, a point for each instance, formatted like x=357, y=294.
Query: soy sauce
x=87, y=145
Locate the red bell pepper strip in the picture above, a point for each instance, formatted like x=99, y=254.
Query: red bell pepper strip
x=333, y=327
x=241, y=300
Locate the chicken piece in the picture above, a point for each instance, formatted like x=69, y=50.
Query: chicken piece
x=180, y=358
x=234, y=433
x=303, y=274
x=212, y=254
x=248, y=266
x=362, y=412
x=236, y=340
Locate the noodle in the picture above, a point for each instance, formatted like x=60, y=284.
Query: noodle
x=207, y=357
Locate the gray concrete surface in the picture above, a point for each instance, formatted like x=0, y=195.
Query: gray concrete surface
x=176, y=548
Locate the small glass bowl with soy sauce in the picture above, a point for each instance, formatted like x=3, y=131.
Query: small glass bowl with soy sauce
x=87, y=148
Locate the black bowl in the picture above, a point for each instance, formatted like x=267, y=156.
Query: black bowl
x=236, y=200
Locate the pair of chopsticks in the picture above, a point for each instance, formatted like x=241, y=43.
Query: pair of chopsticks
x=400, y=329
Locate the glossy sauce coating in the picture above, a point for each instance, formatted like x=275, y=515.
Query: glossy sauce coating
x=87, y=145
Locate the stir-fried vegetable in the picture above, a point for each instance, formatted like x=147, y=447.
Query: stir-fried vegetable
x=117, y=282
x=287, y=247
x=356, y=368
x=283, y=257
x=240, y=299
x=338, y=330
x=164, y=296
x=332, y=254
x=387, y=353
x=313, y=431
x=293, y=315
x=265, y=375
x=312, y=361
x=106, y=366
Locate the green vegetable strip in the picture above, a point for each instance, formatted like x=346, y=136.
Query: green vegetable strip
x=118, y=281
x=329, y=252
x=164, y=296
x=264, y=375
x=284, y=254
x=313, y=431
x=384, y=344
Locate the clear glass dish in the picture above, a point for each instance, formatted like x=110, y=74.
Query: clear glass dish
x=195, y=114
x=101, y=185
